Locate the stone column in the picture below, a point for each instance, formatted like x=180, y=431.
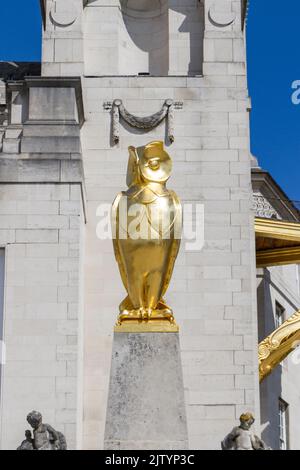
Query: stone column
x=62, y=47
x=224, y=37
x=146, y=408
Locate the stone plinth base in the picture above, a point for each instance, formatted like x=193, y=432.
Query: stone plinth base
x=146, y=407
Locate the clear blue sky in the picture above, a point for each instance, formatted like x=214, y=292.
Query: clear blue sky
x=273, y=64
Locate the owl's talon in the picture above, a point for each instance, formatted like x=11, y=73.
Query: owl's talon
x=148, y=313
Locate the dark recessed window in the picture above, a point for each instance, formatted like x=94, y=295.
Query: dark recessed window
x=279, y=315
x=283, y=424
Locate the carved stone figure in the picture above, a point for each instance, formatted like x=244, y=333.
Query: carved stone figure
x=44, y=436
x=241, y=437
x=147, y=222
x=27, y=444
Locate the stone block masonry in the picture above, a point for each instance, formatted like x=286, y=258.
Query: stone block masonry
x=41, y=225
x=213, y=292
x=212, y=302
x=41, y=310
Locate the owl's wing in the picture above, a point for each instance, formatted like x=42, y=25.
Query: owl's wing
x=115, y=232
x=175, y=242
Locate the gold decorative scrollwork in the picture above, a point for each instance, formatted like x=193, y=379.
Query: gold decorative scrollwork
x=278, y=345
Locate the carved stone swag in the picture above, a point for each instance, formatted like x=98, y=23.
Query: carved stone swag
x=146, y=123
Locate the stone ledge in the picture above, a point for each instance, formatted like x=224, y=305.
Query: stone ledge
x=51, y=83
x=40, y=171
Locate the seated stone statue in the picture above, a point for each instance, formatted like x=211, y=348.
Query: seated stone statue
x=44, y=436
x=241, y=438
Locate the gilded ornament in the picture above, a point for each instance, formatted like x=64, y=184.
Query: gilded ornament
x=146, y=223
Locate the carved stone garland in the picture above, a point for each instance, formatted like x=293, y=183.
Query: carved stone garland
x=146, y=123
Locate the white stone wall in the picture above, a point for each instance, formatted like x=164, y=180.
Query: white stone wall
x=213, y=291
x=115, y=37
x=144, y=40
x=62, y=47
x=40, y=231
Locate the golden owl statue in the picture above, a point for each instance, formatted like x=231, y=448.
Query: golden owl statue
x=146, y=225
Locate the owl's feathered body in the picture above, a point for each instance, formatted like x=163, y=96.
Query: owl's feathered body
x=147, y=225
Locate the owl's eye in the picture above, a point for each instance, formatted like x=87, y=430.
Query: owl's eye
x=154, y=164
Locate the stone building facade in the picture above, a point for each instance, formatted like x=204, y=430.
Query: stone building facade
x=59, y=164
x=278, y=297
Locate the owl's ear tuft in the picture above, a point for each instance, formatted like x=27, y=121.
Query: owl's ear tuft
x=156, y=146
x=155, y=163
x=132, y=168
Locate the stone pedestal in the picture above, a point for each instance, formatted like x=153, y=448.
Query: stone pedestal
x=146, y=407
